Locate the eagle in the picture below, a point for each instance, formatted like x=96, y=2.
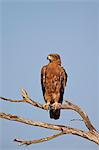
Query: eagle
x=53, y=82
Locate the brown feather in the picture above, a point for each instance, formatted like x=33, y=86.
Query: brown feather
x=53, y=81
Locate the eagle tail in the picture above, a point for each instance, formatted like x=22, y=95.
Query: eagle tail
x=54, y=114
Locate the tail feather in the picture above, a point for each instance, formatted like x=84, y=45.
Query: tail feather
x=55, y=114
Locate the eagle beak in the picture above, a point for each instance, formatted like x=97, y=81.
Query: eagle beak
x=49, y=57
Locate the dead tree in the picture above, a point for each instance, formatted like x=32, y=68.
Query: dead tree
x=92, y=134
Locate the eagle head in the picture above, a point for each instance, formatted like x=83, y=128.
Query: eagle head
x=54, y=57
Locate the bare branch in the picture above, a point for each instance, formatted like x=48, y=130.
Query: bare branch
x=84, y=116
x=90, y=135
x=30, y=122
x=10, y=100
x=24, y=142
x=25, y=99
x=76, y=120
x=68, y=105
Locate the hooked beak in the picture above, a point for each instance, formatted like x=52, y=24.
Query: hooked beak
x=49, y=57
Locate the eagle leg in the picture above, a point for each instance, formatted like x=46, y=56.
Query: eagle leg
x=46, y=106
x=55, y=105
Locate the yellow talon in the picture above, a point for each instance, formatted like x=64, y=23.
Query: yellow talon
x=46, y=106
x=55, y=105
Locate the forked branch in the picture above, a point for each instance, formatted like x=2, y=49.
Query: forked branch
x=92, y=134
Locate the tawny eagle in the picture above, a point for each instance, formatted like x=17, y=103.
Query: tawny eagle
x=53, y=81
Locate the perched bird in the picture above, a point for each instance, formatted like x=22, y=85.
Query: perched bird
x=53, y=82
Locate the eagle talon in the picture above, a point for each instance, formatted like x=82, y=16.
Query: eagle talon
x=46, y=106
x=56, y=105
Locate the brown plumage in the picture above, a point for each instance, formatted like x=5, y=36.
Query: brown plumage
x=53, y=81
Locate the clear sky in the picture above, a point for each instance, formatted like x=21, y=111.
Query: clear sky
x=29, y=32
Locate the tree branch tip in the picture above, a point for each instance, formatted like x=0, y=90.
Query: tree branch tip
x=22, y=89
x=20, y=141
x=1, y=97
x=68, y=102
x=24, y=93
x=15, y=140
x=76, y=120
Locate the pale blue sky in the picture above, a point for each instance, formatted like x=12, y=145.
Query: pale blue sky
x=30, y=31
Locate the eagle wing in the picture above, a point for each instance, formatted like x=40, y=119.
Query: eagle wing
x=43, y=78
x=63, y=79
x=56, y=83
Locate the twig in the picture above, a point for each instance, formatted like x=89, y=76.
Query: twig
x=25, y=99
x=76, y=120
x=24, y=142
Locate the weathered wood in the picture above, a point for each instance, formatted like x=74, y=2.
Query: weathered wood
x=92, y=134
